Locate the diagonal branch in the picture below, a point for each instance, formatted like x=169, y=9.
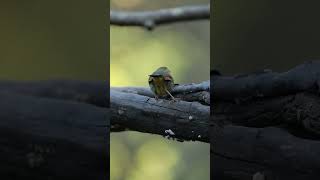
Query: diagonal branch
x=150, y=19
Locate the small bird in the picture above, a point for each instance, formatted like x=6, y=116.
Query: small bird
x=161, y=82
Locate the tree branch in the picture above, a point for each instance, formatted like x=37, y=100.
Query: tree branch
x=95, y=93
x=187, y=92
x=135, y=108
x=245, y=106
x=305, y=77
x=290, y=99
x=241, y=152
x=150, y=19
x=129, y=110
x=187, y=120
x=52, y=138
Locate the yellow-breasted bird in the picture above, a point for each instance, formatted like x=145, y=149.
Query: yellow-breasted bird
x=161, y=82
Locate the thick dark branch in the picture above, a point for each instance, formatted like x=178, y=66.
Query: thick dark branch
x=187, y=120
x=49, y=138
x=135, y=108
x=305, y=77
x=298, y=113
x=150, y=19
x=241, y=152
x=289, y=99
x=95, y=93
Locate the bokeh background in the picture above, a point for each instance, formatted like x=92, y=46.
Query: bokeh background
x=135, y=53
x=53, y=40
x=252, y=35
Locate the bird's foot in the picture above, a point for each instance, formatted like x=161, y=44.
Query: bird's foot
x=173, y=100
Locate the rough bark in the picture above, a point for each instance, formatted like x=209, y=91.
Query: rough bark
x=135, y=108
x=187, y=92
x=272, y=119
x=139, y=111
x=95, y=93
x=187, y=120
x=268, y=124
x=264, y=84
x=241, y=152
x=60, y=129
x=46, y=138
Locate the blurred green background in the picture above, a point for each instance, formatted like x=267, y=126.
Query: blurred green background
x=135, y=53
x=252, y=35
x=46, y=39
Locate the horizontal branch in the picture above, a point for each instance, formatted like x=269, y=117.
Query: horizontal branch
x=298, y=113
x=43, y=137
x=135, y=108
x=187, y=120
x=267, y=98
x=271, y=119
x=150, y=19
x=187, y=92
x=241, y=152
x=305, y=77
x=95, y=93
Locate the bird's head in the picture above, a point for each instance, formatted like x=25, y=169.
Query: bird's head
x=161, y=71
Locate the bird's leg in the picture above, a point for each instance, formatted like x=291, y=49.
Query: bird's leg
x=156, y=97
x=170, y=95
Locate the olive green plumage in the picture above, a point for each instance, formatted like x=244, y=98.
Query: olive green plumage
x=161, y=82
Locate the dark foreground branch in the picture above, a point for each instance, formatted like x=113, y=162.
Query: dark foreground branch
x=62, y=113
x=241, y=153
x=298, y=113
x=45, y=138
x=95, y=93
x=150, y=19
x=240, y=88
x=290, y=99
x=252, y=106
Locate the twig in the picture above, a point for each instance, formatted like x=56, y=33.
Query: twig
x=150, y=19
